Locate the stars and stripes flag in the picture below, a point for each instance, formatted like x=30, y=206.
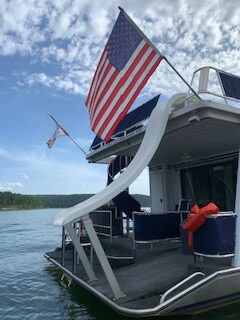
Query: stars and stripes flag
x=126, y=64
x=59, y=132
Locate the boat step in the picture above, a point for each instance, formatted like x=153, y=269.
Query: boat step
x=65, y=281
x=120, y=261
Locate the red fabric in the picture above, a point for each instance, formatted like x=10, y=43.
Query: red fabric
x=211, y=208
x=195, y=221
x=190, y=239
x=194, y=209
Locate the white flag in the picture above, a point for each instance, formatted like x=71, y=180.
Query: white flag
x=59, y=132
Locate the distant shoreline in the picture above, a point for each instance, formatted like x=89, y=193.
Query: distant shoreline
x=18, y=209
x=12, y=201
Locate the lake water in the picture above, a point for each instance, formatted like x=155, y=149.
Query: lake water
x=29, y=284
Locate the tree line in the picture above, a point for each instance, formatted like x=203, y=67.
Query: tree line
x=66, y=201
x=9, y=200
x=62, y=200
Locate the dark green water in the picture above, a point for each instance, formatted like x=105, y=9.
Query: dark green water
x=29, y=284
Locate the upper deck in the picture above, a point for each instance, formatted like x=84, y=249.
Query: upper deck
x=196, y=129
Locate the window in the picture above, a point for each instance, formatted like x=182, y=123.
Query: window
x=215, y=182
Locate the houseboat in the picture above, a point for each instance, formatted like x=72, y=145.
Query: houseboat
x=151, y=263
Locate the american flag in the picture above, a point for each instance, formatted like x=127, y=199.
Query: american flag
x=126, y=64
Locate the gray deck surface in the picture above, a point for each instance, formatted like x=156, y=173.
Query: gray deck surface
x=151, y=274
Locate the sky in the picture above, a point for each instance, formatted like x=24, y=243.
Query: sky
x=48, y=54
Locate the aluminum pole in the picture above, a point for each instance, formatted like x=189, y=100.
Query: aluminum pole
x=236, y=260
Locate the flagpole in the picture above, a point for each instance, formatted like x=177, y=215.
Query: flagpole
x=168, y=62
x=74, y=141
x=180, y=76
x=70, y=137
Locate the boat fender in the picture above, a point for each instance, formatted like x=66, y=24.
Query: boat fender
x=197, y=220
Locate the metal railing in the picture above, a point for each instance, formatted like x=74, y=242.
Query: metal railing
x=130, y=131
x=106, y=225
x=205, y=81
x=178, y=285
x=80, y=253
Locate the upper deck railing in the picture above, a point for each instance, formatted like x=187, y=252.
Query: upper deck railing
x=133, y=122
x=209, y=81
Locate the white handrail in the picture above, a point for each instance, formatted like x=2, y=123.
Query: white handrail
x=204, y=81
x=163, y=297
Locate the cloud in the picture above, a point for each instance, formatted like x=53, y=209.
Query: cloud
x=70, y=82
x=71, y=35
x=10, y=186
x=24, y=175
x=3, y=153
x=21, y=26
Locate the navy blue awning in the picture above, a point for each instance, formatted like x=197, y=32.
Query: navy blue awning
x=231, y=85
x=132, y=118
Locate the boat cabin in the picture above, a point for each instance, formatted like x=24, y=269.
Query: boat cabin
x=145, y=262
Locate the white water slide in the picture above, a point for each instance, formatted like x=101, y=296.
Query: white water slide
x=152, y=138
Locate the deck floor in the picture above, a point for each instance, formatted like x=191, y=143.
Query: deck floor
x=151, y=274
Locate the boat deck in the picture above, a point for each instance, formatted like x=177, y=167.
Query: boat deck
x=147, y=276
